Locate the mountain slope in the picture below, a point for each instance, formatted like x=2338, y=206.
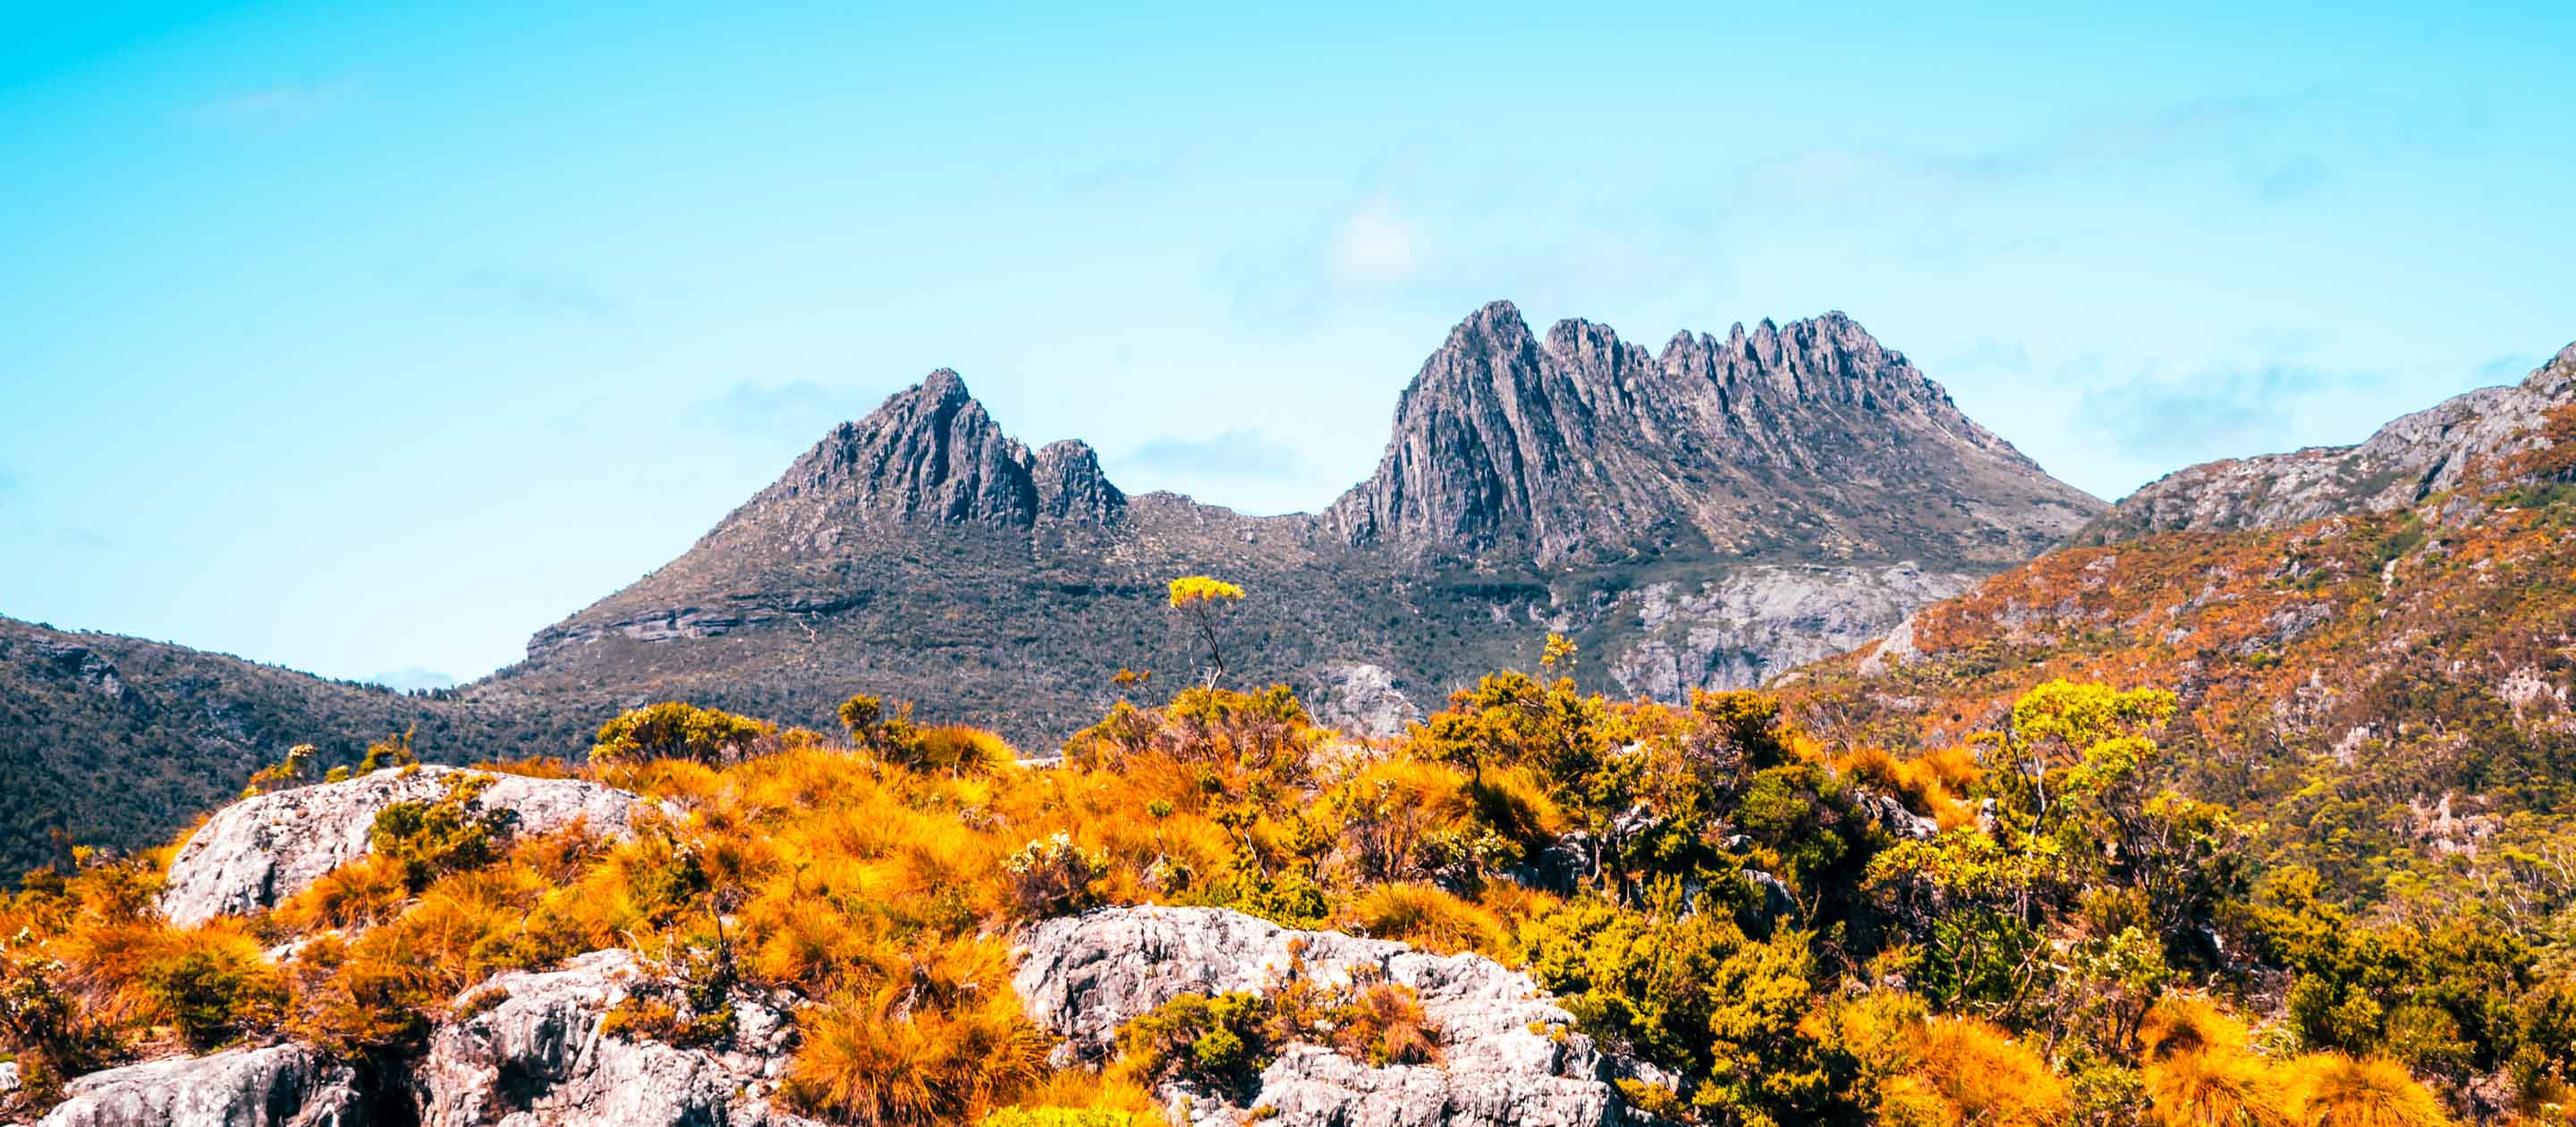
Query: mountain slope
x=2377, y=671
x=1697, y=517
x=2406, y=461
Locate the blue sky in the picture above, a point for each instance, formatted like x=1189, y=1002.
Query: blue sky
x=357, y=341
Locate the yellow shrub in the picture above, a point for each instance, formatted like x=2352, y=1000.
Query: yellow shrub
x=2216, y=1087
x=1966, y=1071
x=211, y=983
x=1424, y=916
x=962, y=749
x=674, y=730
x=2180, y=1023
x=366, y=891
x=1093, y=1093
x=863, y=1060
x=2334, y=1090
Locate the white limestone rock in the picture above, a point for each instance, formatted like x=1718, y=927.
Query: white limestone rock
x=261, y=850
x=1508, y=1053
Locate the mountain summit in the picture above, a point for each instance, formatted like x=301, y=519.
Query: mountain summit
x=1694, y=518
x=1810, y=441
x=930, y=453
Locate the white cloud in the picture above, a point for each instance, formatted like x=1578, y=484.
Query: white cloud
x=1374, y=245
x=275, y=107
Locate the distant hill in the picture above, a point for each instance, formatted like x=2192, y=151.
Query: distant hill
x=107, y=739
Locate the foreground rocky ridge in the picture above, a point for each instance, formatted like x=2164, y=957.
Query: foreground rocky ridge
x=541, y=1047
x=258, y=852
x=535, y=1047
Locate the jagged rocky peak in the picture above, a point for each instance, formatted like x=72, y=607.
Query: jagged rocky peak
x=1071, y=487
x=931, y=452
x=1582, y=443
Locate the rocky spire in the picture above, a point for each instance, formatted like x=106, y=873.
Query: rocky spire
x=1584, y=443
x=929, y=454
x=1071, y=487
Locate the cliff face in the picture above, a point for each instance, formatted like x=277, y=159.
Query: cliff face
x=1574, y=483
x=2406, y=461
x=1810, y=441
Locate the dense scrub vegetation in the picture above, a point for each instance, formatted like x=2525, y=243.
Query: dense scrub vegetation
x=115, y=741
x=2028, y=926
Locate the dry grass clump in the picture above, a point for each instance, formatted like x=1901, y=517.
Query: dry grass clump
x=884, y=1058
x=1424, y=916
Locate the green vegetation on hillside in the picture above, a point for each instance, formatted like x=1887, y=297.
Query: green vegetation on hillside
x=2026, y=928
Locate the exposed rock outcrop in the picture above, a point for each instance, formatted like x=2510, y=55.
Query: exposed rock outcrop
x=2411, y=458
x=533, y=1052
x=276, y=1086
x=1509, y=1055
x=1581, y=445
x=1360, y=698
x=261, y=850
x=1734, y=632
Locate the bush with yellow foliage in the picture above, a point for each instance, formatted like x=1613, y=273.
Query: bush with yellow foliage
x=1707, y=888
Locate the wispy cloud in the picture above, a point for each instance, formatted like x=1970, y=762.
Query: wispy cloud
x=800, y=408
x=275, y=107
x=1240, y=454
x=1986, y=354
x=2214, y=413
x=1375, y=244
x=540, y=292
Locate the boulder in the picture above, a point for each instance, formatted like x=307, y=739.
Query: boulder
x=532, y=1052
x=275, y=1086
x=1509, y=1055
x=261, y=850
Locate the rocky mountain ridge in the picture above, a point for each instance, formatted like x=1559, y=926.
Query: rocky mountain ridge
x=1573, y=483
x=2412, y=457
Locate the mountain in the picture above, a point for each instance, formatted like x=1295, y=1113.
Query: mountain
x=1694, y=518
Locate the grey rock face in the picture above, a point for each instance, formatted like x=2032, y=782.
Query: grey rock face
x=1083, y=976
x=1734, y=632
x=2409, y=459
x=261, y=850
x=1361, y=699
x=1071, y=487
x=538, y=1058
x=1811, y=435
x=277, y=1086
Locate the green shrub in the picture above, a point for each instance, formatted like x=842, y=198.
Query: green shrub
x=673, y=730
x=452, y=833
x=212, y=989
